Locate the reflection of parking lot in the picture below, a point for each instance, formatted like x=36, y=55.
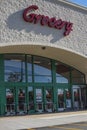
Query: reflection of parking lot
x=74, y=126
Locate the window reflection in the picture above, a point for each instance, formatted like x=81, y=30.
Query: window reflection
x=77, y=77
x=14, y=68
x=39, y=100
x=61, y=99
x=31, y=98
x=21, y=100
x=39, y=69
x=49, y=102
x=42, y=69
x=10, y=102
x=62, y=73
x=68, y=98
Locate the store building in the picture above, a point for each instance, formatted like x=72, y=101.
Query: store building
x=43, y=57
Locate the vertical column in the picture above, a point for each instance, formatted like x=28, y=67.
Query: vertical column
x=2, y=87
x=26, y=80
x=71, y=88
x=33, y=81
x=54, y=86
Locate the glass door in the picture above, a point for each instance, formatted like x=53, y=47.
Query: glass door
x=21, y=106
x=39, y=100
x=76, y=97
x=60, y=99
x=10, y=101
x=83, y=97
x=30, y=99
x=49, y=100
x=68, y=99
x=79, y=96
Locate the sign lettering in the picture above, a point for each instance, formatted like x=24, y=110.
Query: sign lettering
x=46, y=20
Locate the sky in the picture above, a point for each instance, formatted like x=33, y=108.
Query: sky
x=80, y=2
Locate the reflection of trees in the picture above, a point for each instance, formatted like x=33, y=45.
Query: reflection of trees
x=14, y=77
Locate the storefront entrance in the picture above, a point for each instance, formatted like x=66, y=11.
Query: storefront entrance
x=15, y=101
x=63, y=99
x=44, y=99
x=79, y=97
x=41, y=99
x=10, y=101
x=22, y=100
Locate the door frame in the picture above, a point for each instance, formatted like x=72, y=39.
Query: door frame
x=25, y=102
x=16, y=87
x=63, y=87
x=14, y=94
x=80, y=95
x=43, y=89
x=39, y=99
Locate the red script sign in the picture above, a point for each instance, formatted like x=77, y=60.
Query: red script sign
x=45, y=20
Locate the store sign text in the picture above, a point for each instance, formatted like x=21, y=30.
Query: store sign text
x=45, y=20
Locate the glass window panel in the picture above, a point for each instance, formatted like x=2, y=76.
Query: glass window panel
x=39, y=95
x=31, y=98
x=48, y=95
x=14, y=68
x=68, y=98
x=39, y=100
x=49, y=102
x=10, y=102
x=77, y=77
x=29, y=66
x=62, y=73
x=45, y=79
x=21, y=100
x=60, y=99
x=42, y=69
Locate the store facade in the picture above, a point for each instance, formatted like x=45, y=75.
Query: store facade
x=43, y=60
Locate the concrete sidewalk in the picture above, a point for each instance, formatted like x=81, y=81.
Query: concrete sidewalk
x=34, y=121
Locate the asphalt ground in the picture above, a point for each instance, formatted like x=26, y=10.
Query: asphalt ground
x=73, y=126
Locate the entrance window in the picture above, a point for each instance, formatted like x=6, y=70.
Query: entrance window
x=42, y=70
x=68, y=98
x=14, y=68
x=31, y=98
x=49, y=102
x=21, y=100
x=10, y=102
x=39, y=100
x=77, y=77
x=61, y=104
x=62, y=73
